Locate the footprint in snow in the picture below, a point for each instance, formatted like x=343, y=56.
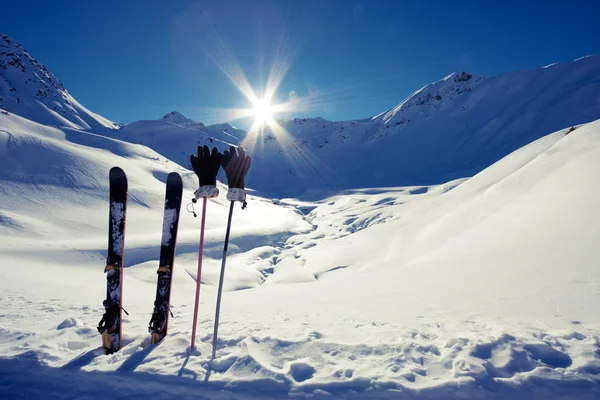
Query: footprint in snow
x=302, y=371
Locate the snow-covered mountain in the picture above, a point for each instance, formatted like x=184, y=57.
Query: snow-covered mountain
x=29, y=89
x=449, y=129
x=446, y=130
x=176, y=137
x=175, y=117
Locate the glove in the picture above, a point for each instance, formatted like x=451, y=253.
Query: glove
x=236, y=165
x=206, y=166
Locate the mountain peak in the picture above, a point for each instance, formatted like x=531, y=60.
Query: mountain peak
x=460, y=76
x=433, y=96
x=12, y=54
x=29, y=89
x=177, y=118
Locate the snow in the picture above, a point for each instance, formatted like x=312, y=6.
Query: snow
x=481, y=286
x=490, y=285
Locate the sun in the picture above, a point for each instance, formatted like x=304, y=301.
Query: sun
x=262, y=111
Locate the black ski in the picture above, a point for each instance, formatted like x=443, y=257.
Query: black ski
x=111, y=323
x=160, y=317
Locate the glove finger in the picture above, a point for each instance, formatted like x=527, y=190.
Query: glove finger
x=225, y=157
x=241, y=153
x=234, y=168
x=243, y=169
x=205, y=152
x=200, y=152
x=215, y=161
x=233, y=153
x=247, y=163
x=194, y=162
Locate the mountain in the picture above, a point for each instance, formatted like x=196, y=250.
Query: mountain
x=177, y=118
x=449, y=129
x=176, y=137
x=446, y=130
x=29, y=89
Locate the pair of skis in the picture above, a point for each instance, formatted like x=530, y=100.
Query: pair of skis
x=110, y=325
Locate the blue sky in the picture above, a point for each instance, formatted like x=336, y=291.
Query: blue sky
x=131, y=60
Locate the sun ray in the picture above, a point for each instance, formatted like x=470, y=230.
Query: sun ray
x=264, y=106
x=204, y=30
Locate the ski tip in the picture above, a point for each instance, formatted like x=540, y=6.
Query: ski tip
x=117, y=173
x=174, y=178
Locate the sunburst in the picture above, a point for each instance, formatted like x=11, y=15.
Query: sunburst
x=262, y=111
x=264, y=105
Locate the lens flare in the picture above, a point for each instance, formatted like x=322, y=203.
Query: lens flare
x=203, y=30
x=262, y=112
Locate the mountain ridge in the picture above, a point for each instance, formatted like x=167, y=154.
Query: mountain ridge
x=448, y=129
x=30, y=89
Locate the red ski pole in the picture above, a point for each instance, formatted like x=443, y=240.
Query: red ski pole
x=198, y=275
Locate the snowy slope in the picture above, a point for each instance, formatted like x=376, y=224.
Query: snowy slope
x=55, y=182
x=31, y=90
x=483, y=286
x=177, y=141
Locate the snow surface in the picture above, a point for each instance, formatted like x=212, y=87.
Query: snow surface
x=478, y=287
x=481, y=286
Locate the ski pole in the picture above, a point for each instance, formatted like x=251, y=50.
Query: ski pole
x=200, y=252
x=214, y=345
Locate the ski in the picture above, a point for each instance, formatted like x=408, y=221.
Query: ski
x=160, y=316
x=110, y=325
